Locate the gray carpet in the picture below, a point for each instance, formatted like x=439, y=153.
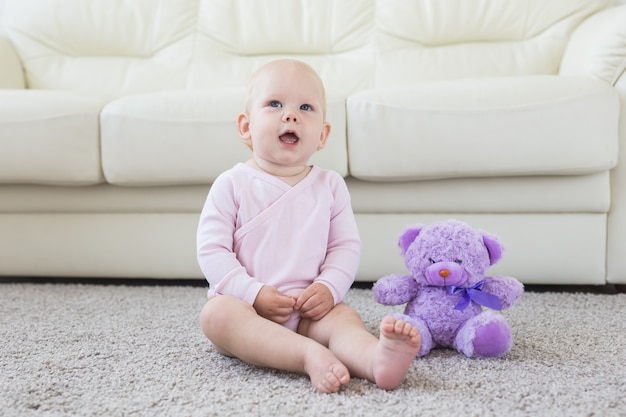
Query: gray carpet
x=86, y=350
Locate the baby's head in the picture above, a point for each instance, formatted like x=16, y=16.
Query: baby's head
x=279, y=70
x=285, y=111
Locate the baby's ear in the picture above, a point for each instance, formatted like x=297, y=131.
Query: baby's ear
x=494, y=247
x=324, y=136
x=243, y=128
x=243, y=125
x=408, y=236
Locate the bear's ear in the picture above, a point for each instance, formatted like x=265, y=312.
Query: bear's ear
x=408, y=236
x=494, y=247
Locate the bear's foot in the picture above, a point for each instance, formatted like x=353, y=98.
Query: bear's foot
x=487, y=336
x=492, y=340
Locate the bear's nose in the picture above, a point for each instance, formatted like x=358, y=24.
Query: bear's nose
x=444, y=273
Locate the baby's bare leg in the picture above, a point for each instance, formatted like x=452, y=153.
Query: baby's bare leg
x=383, y=361
x=235, y=329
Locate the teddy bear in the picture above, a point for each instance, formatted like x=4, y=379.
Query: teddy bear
x=448, y=297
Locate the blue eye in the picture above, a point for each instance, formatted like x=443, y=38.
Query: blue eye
x=275, y=103
x=306, y=107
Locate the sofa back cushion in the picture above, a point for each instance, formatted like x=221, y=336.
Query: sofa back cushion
x=377, y=53
x=121, y=47
x=487, y=127
x=437, y=40
x=102, y=45
x=236, y=36
x=49, y=137
x=124, y=47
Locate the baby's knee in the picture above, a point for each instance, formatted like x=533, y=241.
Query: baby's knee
x=206, y=319
x=216, y=315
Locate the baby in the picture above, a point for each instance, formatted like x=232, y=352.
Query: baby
x=278, y=244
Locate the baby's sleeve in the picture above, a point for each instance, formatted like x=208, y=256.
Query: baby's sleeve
x=344, y=244
x=215, y=235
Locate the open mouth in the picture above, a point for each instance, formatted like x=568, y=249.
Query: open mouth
x=289, y=138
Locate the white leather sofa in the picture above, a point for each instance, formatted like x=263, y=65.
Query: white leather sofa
x=115, y=117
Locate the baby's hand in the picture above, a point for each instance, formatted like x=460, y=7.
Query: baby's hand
x=315, y=302
x=273, y=304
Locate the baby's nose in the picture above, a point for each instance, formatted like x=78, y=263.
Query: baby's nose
x=290, y=117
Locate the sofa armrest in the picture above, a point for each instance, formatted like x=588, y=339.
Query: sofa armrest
x=598, y=47
x=11, y=75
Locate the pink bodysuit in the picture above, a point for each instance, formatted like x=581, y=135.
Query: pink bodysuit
x=255, y=230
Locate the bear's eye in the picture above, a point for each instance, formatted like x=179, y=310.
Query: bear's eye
x=431, y=260
x=458, y=261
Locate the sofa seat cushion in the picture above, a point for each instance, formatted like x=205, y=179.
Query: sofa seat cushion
x=101, y=198
x=188, y=137
x=49, y=137
x=532, y=194
x=527, y=125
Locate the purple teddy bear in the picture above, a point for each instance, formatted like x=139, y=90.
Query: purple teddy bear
x=447, y=289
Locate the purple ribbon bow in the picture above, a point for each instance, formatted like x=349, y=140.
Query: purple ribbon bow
x=476, y=294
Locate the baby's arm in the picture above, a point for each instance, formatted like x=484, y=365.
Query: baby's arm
x=223, y=270
x=215, y=241
x=343, y=250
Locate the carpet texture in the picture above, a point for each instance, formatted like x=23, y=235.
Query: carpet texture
x=83, y=350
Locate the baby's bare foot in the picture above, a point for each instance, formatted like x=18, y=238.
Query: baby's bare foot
x=398, y=344
x=327, y=373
